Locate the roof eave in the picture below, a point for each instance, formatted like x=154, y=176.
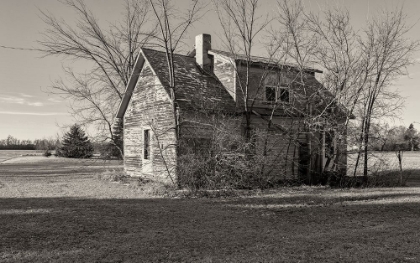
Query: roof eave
x=261, y=63
x=131, y=85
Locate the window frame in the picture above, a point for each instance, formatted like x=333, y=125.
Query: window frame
x=146, y=144
x=277, y=93
x=265, y=93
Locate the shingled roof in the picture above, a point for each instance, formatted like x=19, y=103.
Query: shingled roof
x=195, y=88
x=255, y=60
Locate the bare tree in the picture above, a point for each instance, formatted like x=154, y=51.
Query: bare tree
x=109, y=51
x=242, y=27
x=359, y=67
x=336, y=51
x=387, y=52
x=172, y=25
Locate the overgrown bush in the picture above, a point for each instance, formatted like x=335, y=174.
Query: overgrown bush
x=147, y=186
x=113, y=176
x=227, y=161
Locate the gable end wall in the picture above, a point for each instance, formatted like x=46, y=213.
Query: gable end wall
x=149, y=108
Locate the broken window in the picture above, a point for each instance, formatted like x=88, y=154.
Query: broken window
x=146, y=144
x=284, y=95
x=277, y=94
x=270, y=94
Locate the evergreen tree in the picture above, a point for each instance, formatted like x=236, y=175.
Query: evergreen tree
x=412, y=137
x=76, y=144
x=117, y=141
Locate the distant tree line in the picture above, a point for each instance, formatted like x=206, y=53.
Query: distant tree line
x=393, y=138
x=12, y=143
x=75, y=144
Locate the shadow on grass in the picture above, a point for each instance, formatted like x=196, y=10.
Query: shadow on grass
x=412, y=177
x=327, y=200
x=203, y=230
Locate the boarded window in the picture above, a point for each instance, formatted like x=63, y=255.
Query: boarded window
x=146, y=144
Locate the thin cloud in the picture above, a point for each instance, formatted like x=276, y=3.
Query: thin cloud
x=54, y=100
x=11, y=99
x=19, y=100
x=33, y=113
x=36, y=104
x=25, y=95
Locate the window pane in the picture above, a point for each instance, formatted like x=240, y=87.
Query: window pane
x=284, y=95
x=270, y=94
x=146, y=144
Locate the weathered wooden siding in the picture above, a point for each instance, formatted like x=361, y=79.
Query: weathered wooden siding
x=150, y=108
x=224, y=70
x=283, y=150
x=260, y=77
x=280, y=150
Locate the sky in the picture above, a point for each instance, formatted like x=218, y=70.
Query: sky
x=28, y=111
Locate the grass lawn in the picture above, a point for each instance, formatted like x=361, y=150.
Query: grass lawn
x=58, y=211
x=9, y=154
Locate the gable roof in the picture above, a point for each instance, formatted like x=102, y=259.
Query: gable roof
x=262, y=61
x=195, y=88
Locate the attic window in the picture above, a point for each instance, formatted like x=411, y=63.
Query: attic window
x=277, y=94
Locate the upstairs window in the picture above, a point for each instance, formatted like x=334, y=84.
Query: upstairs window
x=277, y=94
x=270, y=94
x=146, y=144
x=283, y=95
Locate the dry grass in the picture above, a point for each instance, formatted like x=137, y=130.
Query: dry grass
x=9, y=154
x=62, y=212
x=386, y=163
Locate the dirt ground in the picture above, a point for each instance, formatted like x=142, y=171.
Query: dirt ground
x=57, y=210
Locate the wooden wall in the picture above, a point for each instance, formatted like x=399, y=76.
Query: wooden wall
x=150, y=108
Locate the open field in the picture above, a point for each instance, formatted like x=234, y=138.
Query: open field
x=388, y=162
x=58, y=211
x=9, y=154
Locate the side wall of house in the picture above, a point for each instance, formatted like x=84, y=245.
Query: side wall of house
x=224, y=70
x=282, y=146
x=280, y=150
x=150, y=110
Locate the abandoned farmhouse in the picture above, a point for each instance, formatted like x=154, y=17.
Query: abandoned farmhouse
x=221, y=98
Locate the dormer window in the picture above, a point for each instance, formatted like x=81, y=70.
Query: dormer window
x=270, y=94
x=284, y=94
x=277, y=94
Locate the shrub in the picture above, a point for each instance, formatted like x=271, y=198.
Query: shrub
x=47, y=153
x=225, y=171
x=113, y=176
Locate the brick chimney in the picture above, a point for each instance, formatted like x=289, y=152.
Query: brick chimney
x=202, y=46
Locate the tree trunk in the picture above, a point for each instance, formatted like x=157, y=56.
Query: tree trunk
x=399, y=155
